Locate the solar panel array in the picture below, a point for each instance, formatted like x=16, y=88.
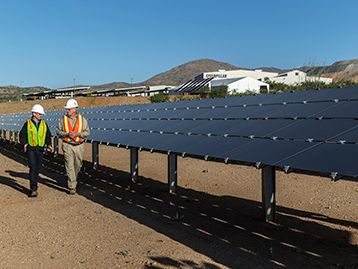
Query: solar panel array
x=309, y=131
x=193, y=85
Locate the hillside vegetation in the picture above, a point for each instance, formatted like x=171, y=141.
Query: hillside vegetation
x=339, y=71
x=14, y=93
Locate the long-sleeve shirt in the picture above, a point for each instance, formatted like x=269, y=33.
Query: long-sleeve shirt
x=60, y=130
x=23, y=135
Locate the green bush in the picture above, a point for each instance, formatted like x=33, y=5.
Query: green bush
x=309, y=85
x=246, y=93
x=160, y=97
x=215, y=92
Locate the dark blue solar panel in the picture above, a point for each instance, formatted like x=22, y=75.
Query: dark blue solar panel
x=260, y=128
x=315, y=129
x=326, y=158
x=349, y=135
x=272, y=129
x=302, y=110
x=341, y=110
x=331, y=94
x=266, y=151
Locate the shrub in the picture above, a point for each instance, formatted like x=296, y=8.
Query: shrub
x=160, y=97
x=308, y=85
x=215, y=92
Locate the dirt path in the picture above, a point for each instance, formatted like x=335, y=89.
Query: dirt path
x=113, y=224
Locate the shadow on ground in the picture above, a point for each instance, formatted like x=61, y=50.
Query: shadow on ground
x=227, y=229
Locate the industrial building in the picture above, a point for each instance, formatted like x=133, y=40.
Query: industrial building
x=87, y=91
x=241, y=80
x=240, y=85
x=296, y=77
x=240, y=73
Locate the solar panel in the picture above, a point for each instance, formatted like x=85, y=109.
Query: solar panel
x=349, y=136
x=346, y=109
x=315, y=129
x=194, y=85
x=333, y=159
x=308, y=131
x=267, y=152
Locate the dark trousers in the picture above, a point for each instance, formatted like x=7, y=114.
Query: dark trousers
x=34, y=157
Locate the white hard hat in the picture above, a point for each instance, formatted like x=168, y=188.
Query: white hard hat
x=38, y=109
x=71, y=103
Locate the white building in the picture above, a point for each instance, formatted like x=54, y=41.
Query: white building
x=134, y=91
x=59, y=93
x=296, y=77
x=240, y=73
x=153, y=90
x=240, y=85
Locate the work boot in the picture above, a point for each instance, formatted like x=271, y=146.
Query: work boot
x=33, y=194
x=72, y=192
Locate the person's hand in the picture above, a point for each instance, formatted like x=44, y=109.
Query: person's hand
x=73, y=135
x=25, y=147
x=50, y=148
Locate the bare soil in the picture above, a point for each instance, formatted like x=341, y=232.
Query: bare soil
x=215, y=221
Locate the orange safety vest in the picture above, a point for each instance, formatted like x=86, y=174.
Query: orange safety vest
x=68, y=128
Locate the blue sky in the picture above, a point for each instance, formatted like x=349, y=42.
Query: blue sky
x=51, y=43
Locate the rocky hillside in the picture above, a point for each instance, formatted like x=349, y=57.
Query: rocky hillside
x=12, y=93
x=341, y=70
x=112, y=85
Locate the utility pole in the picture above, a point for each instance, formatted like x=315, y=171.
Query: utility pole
x=74, y=85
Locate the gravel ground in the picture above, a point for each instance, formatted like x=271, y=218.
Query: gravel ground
x=214, y=222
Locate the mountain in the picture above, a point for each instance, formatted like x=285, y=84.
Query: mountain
x=340, y=66
x=341, y=70
x=272, y=69
x=182, y=73
x=12, y=93
x=112, y=85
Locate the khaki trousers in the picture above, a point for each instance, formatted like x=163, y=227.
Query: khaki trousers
x=73, y=162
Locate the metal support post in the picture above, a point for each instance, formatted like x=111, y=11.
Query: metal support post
x=55, y=146
x=134, y=165
x=172, y=173
x=269, y=193
x=95, y=155
x=3, y=135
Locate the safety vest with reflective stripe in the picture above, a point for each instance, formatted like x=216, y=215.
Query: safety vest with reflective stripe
x=36, y=137
x=68, y=128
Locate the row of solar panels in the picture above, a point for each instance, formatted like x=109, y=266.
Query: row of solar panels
x=310, y=131
x=249, y=104
x=193, y=85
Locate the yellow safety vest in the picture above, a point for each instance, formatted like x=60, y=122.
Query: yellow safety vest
x=36, y=137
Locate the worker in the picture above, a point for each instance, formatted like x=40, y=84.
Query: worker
x=34, y=136
x=73, y=129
